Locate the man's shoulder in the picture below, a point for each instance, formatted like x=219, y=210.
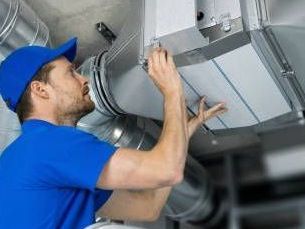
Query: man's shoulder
x=54, y=138
x=66, y=138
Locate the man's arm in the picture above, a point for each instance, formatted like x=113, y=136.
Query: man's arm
x=142, y=205
x=164, y=164
x=146, y=205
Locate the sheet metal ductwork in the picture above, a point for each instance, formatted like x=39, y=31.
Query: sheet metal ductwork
x=19, y=26
x=277, y=33
x=236, y=57
x=247, y=53
x=224, y=59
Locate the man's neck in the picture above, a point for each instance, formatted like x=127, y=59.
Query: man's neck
x=61, y=121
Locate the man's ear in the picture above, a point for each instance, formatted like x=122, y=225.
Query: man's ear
x=39, y=89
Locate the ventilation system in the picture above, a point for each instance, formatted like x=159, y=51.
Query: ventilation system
x=236, y=58
x=247, y=53
x=225, y=60
x=192, y=200
x=244, y=53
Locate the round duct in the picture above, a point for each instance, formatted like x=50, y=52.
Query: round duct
x=19, y=26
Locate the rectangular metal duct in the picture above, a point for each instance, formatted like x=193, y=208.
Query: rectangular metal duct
x=240, y=79
x=223, y=64
x=277, y=32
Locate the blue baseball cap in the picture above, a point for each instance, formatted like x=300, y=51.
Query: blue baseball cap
x=19, y=68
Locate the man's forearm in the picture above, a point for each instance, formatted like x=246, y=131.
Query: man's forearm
x=135, y=205
x=154, y=199
x=173, y=142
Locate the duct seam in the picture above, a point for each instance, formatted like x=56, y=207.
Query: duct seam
x=236, y=91
x=195, y=91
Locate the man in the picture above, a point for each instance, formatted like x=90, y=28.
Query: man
x=56, y=176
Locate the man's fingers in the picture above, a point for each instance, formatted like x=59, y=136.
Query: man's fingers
x=156, y=57
x=217, y=107
x=170, y=60
x=202, y=106
x=216, y=110
x=150, y=66
x=163, y=60
x=219, y=112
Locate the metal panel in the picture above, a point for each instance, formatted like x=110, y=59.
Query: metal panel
x=206, y=79
x=192, y=99
x=279, y=40
x=270, y=59
x=214, y=10
x=180, y=26
x=149, y=22
x=251, y=79
x=283, y=12
x=291, y=41
x=182, y=16
x=220, y=42
x=250, y=14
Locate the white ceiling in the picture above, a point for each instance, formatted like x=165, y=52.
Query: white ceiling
x=67, y=18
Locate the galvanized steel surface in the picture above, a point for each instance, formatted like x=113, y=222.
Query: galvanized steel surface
x=19, y=26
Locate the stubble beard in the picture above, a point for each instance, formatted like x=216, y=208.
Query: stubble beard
x=75, y=110
x=82, y=108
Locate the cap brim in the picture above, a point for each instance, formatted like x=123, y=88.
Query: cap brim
x=67, y=49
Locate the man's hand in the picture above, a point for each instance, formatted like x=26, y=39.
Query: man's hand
x=163, y=72
x=204, y=115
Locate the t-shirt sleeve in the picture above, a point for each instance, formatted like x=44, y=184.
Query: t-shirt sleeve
x=100, y=198
x=74, y=159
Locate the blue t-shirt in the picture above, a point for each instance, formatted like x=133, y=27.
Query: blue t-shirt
x=48, y=177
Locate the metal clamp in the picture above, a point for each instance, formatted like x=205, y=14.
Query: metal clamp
x=288, y=74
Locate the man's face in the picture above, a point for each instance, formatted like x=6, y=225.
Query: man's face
x=69, y=91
